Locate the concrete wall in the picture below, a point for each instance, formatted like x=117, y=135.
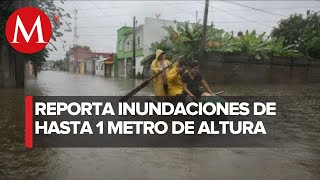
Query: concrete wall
x=82, y=66
x=139, y=68
x=122, y=67
x=90, y=66
x=153, y=31
x=109, y=70
x=224, y=69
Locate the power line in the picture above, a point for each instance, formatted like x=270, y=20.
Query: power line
x=94, y=35
x=235, y=22
x=129, y=6
x=98, y=35
x=170, y=4
x=108, y=16
x=109, y=26
x=221, y=22
x=256, y=9
x=291, y=8
x=184, y=12
x=249, y=20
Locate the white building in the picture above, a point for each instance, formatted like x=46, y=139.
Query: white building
x=151, y=31
x=99, y=64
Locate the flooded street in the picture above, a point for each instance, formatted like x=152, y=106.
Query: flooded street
x=16, y=162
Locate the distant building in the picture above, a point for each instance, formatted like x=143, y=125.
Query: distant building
x=104, y=65
x=99, y=70
x=77, y=59
x=109, y=65
x=147, y=33
x=90, y=66
x=82, y=60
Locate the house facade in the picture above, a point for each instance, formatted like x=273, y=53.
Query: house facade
x=90, y=66
x=147, y=33
x=125, y=51
x=77, y=58
x=104, y=65
x=83, y=61
x=99, y=64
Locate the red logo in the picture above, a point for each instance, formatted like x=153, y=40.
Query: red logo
x=28, y=30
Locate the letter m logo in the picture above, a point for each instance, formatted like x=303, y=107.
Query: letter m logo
x=28, y=30
x=20, y=26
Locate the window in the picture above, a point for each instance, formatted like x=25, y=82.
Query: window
x=97, y=67
x=101, y=66
x=128, y=45
x=138, y=41
x=121, y=45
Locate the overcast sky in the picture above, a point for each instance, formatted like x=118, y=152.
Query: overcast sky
x=98, y=21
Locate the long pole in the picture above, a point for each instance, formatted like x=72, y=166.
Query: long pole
x=204, y=31
x=75, y=27
x=196, y=16
x=146, y=82
x=134, y=48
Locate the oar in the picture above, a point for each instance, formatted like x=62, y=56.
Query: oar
x=220, y=92
x=146, y=82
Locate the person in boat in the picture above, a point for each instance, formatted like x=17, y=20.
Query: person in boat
x=192, y=82
x=174, y=77
x=160, y=83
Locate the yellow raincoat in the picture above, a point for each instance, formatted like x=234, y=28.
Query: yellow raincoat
x=158, y=81
x=174, y=82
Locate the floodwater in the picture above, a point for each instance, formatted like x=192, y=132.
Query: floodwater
x=301, y=162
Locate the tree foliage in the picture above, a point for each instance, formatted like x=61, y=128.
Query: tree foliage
x=301, y=30
x=164, y=45
x=295, y=36
x=62, y=65
x=7, y=7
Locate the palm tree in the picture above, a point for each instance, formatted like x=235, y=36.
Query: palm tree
x=186, y=39
x=164, y=45
x=255, y=46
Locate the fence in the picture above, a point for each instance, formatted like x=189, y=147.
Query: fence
x=238, y=68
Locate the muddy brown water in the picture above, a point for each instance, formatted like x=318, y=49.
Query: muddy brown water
x=301, y=162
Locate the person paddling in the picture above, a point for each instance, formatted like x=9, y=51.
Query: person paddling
x=160, y=83
x=192, y=80
x=175, y=79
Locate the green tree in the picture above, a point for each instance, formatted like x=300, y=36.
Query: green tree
x=186, y=39
x=310, y=39
x=50, y=8
x=301, y=30
x=164, y=45
x=290, y=28
x=13, y=60
x=255, y=46
x=62, y=65
x=279, y=49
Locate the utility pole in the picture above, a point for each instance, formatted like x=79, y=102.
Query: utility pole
x=196, y=16
x=75, y=42
x=204, y=32
x=75, y=28
x=134, y=48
